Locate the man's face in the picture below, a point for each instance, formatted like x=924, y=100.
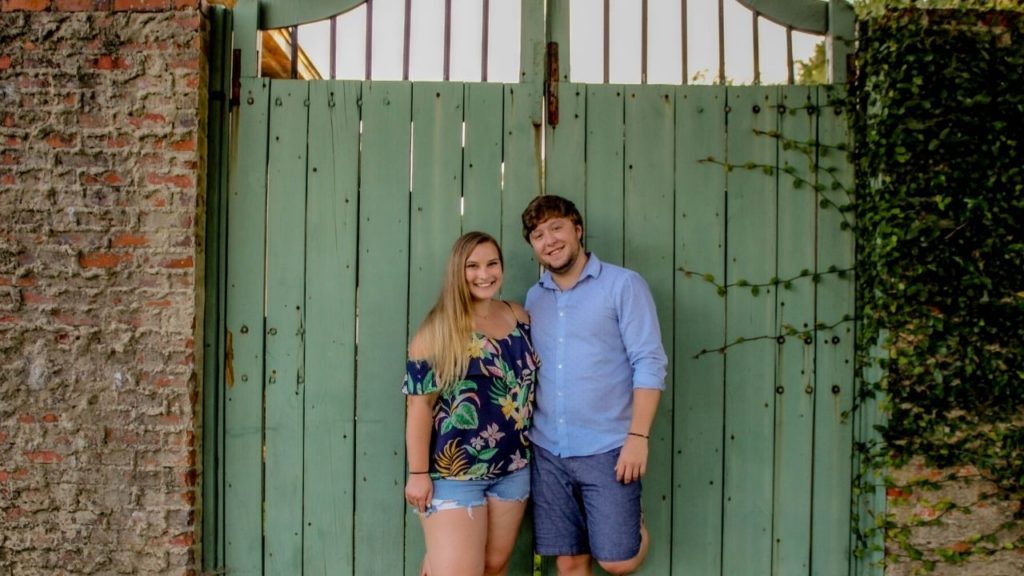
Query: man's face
x=557, y=244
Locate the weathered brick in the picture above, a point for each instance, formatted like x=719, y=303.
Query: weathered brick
x=98, y=284
x=26, y=5
x=141, y=5
x=81, y=5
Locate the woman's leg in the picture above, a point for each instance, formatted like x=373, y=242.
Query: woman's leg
x=456, y=539
x=503, y=520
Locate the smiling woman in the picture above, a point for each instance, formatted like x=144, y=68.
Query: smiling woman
x=612, y=41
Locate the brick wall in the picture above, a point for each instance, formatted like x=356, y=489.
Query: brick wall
x=101, y=173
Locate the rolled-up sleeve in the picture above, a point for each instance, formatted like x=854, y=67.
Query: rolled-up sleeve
x=641, y=333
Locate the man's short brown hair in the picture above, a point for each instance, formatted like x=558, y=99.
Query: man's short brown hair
x=543, y=208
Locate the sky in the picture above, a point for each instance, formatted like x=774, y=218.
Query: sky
x=586, y=52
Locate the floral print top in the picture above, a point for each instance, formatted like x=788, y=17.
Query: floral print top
x=481, y=422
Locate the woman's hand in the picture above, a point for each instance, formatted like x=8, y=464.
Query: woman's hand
x=419, y=490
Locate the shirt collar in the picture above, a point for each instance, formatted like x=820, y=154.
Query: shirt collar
x=591, y=269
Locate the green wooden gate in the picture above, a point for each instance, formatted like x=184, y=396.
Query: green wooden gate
x=343, y=198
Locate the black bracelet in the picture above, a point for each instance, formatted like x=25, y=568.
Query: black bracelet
x=424, y=472
x=638, y=434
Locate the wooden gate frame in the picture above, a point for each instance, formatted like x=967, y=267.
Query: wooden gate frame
x=228, y=63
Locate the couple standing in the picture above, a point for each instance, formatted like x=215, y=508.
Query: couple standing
x=476, y=444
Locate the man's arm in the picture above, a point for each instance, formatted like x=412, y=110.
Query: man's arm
x=632, y=464
x=641, y=335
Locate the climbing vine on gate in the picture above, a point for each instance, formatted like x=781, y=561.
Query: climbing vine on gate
x=940, y=188
x=830, y=192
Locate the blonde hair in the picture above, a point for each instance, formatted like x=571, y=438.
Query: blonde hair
x=447, y=330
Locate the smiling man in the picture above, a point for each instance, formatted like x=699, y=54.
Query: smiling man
x=603, y=368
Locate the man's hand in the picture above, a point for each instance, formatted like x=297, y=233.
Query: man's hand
x=632, y=464
x=419, y=490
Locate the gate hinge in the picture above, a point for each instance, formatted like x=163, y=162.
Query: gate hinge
x=236, y=77
x=552, y=83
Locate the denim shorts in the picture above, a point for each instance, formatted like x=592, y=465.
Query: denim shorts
x=580, y=508
x=455, y=494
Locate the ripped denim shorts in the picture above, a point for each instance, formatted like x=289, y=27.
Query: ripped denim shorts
x=455, y=494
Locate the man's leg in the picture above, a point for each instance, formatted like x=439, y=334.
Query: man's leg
x=574, y=565
x=558, y=523
x=618, y=539
x=633, y=564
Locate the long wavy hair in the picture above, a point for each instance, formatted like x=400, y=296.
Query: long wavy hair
x=448, y=327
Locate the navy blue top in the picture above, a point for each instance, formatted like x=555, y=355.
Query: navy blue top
x=481, y=421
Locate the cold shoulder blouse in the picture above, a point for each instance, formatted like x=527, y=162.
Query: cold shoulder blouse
x=481, y=422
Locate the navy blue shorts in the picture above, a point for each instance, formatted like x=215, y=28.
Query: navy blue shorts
x=580, y=508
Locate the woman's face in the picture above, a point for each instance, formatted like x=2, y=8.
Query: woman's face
x=484, y=272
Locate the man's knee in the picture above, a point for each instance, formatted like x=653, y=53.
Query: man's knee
x=572, y=564
x=622, y=566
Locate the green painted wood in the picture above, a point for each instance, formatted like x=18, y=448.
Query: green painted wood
x=243, y=412
x=246, y=34
x=750, y=365
x=804, y=15
x=331, y=234
x=532, y=42
x=281, y=14
x=833, y=430
x=382, y=336
x=794, y=365
x=558, y=31
x=649, y=250
x=839, y=43
x=565, y=147
x=435, y=220
x=435, y=223
x=284, y=387
x=523, y=174
x=869, y=553
x=602, y=212
x=481, y=169
x=699, y=325
x=214, y=247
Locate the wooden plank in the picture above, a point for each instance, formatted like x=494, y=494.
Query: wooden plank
x=481, y=169
x=750, y=365
x=285, y=339
x=699, y=325
x=532, y=42
x=331, y=224
x=523, y=176
x=435, y=223
x=382, y=336
x=833, y=430
x=435, y=220
x=794, y=365
x=243, y=425
x=212, y=383
x=565, y=147
x=649, y=250
x=604, y=172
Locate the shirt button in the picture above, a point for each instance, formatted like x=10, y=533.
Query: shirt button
x=559, y=366
x=561, y=313
x=559, y=393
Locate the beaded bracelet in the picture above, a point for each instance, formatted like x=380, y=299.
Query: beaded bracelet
x=645, y=437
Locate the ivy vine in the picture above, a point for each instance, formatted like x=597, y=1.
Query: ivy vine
x=939, y=154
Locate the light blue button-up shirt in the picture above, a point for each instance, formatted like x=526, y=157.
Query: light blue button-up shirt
x=597, y=341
